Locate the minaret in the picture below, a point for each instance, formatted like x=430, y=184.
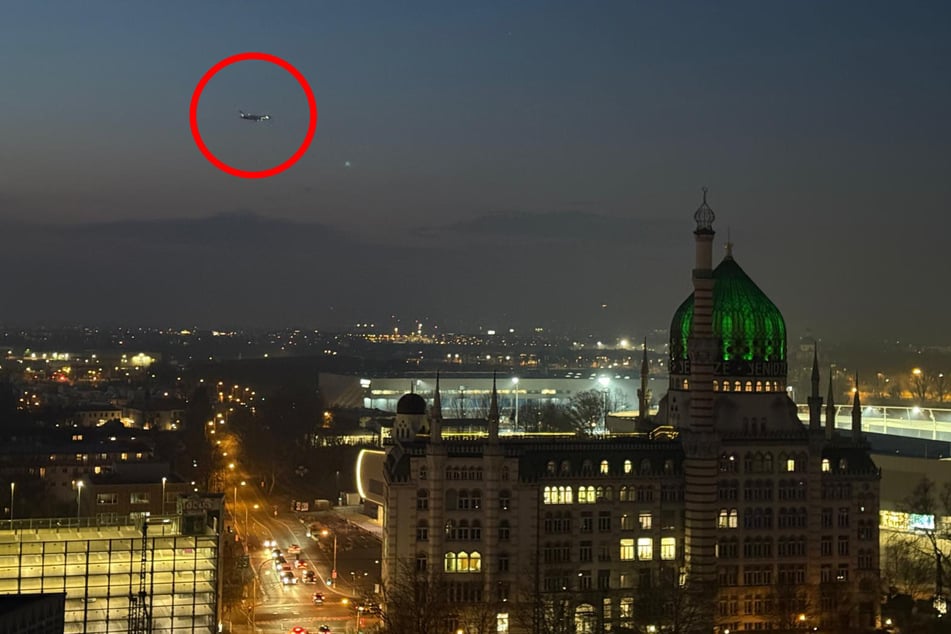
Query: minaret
x=494, y=413
x=700, y=442
x=702, y=347
x=642, y=396
x=856, y=414
x=830, y=410
x=435, y=425
x=814, y=400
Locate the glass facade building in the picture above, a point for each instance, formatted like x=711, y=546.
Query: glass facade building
x=100, y=568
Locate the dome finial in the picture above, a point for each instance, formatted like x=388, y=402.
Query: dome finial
x=704, y=215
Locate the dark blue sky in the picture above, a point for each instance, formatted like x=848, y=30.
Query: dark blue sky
x=521, y=154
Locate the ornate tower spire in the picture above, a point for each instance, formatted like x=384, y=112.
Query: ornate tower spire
x=830, y=409
x=436, y=414
x=494, y=412
x=814, y=400
x=700, y=441
x=856, y=414
x=642, y=396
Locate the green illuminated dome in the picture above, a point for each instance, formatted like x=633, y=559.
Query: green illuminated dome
x=749, y=328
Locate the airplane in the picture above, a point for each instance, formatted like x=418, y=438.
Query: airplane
x=254, y=117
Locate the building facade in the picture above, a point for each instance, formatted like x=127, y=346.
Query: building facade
x=730, y=513
x=102, y=568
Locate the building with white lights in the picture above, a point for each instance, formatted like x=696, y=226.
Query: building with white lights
x=102, y=566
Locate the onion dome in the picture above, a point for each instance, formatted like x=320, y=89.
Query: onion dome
x=412, y=404
x=749, y=329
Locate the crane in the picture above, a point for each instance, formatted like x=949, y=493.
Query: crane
x=140, y=604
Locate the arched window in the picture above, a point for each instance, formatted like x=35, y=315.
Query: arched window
x=422, y=500
x=505, y=500
x=758, y=463
x=505, y=473
x=462, y=502
x=475, y=562
x=737, y=386
x=551, y=467
x=826, y=465
x=586, y=468
x=463, y=531
x=605, y=467
x=450, y=562
x=462, y=562
x=422, y=531
x=624, y=494
x=475, y=532
x=759, y=386
x=645, y=467
x=749, y=386
x=422, y=472
x=565, y=467
x=768, y=462
x=476, y=500
x=716, y=386
x=627, y=466
x=668, y=466
x=504, y=531
x=686, y=384
x=726, y=386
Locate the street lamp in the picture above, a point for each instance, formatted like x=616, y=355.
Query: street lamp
x=515, y=383
x=604, y=381
x=164, y=480
x=79, y=497
x=333, y=569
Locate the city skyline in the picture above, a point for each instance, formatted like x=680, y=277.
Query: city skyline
x=478, y=165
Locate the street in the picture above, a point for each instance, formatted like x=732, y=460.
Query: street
x=281, y=608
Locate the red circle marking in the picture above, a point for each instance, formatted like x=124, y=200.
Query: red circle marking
x=243, y=57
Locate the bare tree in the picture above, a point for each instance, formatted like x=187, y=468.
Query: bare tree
x=538, y=610
x=674, y=606
x=415, y=601
x=907, y=564
x=586, y=410
x=788, y=606
x=927, y=501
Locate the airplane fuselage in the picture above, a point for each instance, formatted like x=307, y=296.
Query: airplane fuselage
x=254, y=117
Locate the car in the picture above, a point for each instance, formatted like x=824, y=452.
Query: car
x=309, y=576
x=300, y=563
x=318, y=598
x=293, y=549
x=270, y=543
x=286, y=568
x=369, y=607
x=323, y=628
x=276, y=553
x=288, y=578
x=300, y=630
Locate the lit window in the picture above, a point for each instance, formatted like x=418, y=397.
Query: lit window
x=645, y=520
x=627, y=550
x=139, y=497
x=605, y=468
x=628, y=466
x=791, y=464
x=668, y=548
x=826, y=465
x=645, y=548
